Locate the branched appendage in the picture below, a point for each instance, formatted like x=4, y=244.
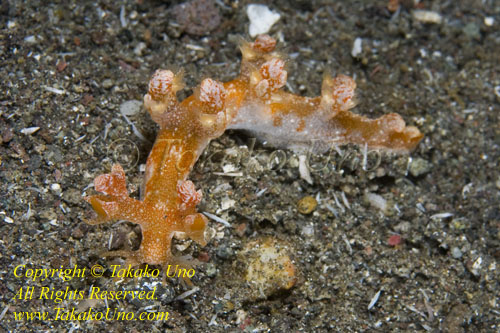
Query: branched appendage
x=169, y=203
x=291, y=121
x=158, y=222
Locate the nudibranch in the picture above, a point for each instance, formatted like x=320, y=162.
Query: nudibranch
x=254, y=101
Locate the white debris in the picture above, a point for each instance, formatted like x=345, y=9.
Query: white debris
x=110, y=241
x=241, y=315
x=54, y=90
x=261, y=192
x=123, y=19
x=261, y=19
x=344, y=200
x=420, y=207
x=182, y=247
x=227, y=203
x=130, y=108
x=141, y=46
x=308, y=230
x=489, y=21
x=30, y=39
x=441, y=216
x=348, y=245
x=365, y=156
x=427, y=16
x=466, y=190
x=228, y=168
x=217, y=219
x=337, y=202
x=29, y=130
x=212, y=321
x=195, y=47
x=374, y=300
x=134, y=128
x=4, y=311
x=304, y=170
x=476, y=266
x=356, y=47
x=228, y=174
x=497, y=91
x=376, y=201
x=331, y=209
x=187, y=293
x=55, y=188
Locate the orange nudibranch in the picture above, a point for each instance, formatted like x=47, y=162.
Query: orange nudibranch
x=254, y=101
x=290, y=121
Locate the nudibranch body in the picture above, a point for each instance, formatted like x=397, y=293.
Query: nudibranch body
x=254, y=101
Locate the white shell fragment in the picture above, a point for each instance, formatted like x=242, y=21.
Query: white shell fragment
x=54, y=90
x=304, y=170
x=29, y=130
x=130, y=108
x=227, y=203
x=374, y=299
x=441, y=216
x=427, y=16
x=356, y=47
x=261, y=19
x=8, y=220
x=376, y=201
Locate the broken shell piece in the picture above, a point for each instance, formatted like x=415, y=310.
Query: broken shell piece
x=261, y=19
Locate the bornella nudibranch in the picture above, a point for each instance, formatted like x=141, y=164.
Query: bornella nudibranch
x=254, y=101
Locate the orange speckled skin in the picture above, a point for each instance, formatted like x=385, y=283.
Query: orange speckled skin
x=254, y=101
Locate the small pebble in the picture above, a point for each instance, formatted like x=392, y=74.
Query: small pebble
x=210, y=270
x=307, y=205
x=30, y=39
x=139, y=48
x=197, y=17
x=472, y=30
x=489, y=21
x=227, y=203
x=77, y=233
x=456, y=253
x=419, y=166
x=269, y=267
x=61, y=65
x=376, y=201
x=56, y=188
x=307, y=231
x=224, y=252
x=394, y=240
x=107, y=84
